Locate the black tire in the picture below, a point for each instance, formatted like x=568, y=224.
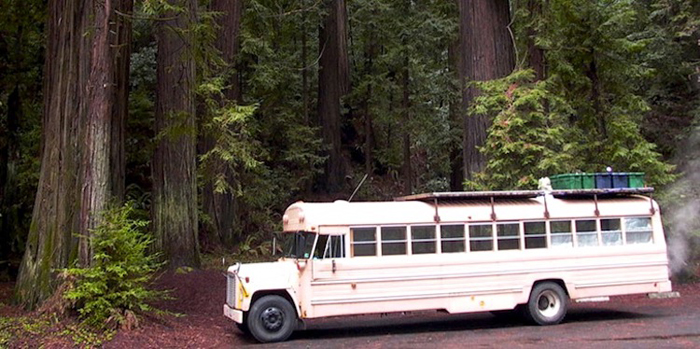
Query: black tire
x=271, y=319
x=243, y=327
x=547, y=304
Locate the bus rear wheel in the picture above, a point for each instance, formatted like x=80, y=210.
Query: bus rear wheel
x=271, y=319
x=547, y=304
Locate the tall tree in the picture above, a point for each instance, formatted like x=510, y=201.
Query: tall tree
x=221, y=205
x=50, y=243
x=103, y=154
x=333, y=84
x=174, y=210
x=76, y=168
x=485, y=53
x=121, y=38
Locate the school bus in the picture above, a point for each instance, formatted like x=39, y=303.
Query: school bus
x=460, y=252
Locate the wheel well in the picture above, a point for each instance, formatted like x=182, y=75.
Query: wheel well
x=282, y=293
x=559, y=282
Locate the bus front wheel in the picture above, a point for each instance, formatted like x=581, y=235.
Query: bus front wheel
x=243, y=327
x=271, y=319
x=547, y=304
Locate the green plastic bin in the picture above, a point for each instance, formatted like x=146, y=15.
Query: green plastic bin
x=573, y=181
x=636, y=179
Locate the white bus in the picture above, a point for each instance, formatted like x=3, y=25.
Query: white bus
x=458, y=252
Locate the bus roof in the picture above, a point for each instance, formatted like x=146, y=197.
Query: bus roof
x=526, y=194
x=468, y=207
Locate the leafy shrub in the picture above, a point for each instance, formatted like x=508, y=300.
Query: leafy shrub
x=113, y=289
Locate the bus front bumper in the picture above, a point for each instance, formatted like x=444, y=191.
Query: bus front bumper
x=233, y=314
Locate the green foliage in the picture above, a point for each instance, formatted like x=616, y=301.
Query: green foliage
x=265, y=150
x=390, y=39
x=586, y=115
x=24, y=331
x=671, y=28
x=527, y=139
x=233, y=150
x=110, y=291
x=14, y=327
x=86, y=337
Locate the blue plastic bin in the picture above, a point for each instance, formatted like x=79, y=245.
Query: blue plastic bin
x=607, y=180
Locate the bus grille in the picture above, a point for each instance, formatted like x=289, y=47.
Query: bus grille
x=231, y=290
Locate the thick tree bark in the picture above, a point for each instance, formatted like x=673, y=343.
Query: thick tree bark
x=486, y=52
x=50, y=243
x=535, y=54
x=78, y=167
x=333, y=84
x=97, y=150
x=228, y=41
x=174, y=209
x=122, y=56
x=221, y=207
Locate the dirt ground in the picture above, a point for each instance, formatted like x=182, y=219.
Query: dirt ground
x=199, y=296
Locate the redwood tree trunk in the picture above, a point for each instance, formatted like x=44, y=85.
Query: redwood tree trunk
x=122, y=60
x=221, y=207
x=97, y=150
x=333, y=84
x=535, y=54
x=174, y=209
x=50, y=243
x=76, y=180
x=485, y=53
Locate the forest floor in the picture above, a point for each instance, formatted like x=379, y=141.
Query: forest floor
x=197, y=299
x=197, y=296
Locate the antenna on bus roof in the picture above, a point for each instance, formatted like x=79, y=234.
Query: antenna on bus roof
x=358, y=187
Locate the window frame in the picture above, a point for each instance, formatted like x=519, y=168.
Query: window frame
x=382, y=241
x=464, y=238
x=491, y=238
x=374, y=242
x=412, y=241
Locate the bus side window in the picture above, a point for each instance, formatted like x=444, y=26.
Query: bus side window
x=335, y=247
x=423, y=239
x=586, y=232
x=452, y=238
x=393, y=240
x=561, y=234
x=535, y=235
x=611, y=232
x=320, y=246
x=481, y=237
x=363, y=241
x=508, y=236
x=638, y=230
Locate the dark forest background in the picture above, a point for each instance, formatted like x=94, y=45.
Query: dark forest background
x=211, y=117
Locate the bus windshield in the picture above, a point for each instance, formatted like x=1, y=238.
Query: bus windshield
x=299, y=244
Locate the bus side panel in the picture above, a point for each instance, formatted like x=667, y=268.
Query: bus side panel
x=481, y=281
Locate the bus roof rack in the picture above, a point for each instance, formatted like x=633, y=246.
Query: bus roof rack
x=524, y=194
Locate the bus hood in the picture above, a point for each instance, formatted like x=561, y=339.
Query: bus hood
x=282, y=274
